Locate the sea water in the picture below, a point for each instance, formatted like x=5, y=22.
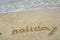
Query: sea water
x=19, y=5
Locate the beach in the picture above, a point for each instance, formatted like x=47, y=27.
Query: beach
x=48, y=18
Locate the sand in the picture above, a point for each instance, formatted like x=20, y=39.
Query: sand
x=49, y=18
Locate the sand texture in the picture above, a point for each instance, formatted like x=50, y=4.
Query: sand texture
x=25, y=25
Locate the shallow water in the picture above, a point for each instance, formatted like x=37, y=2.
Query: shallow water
x=19, y=5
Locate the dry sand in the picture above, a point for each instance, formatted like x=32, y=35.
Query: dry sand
x=43, y=17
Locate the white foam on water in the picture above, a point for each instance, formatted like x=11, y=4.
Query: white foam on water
x=20, y=5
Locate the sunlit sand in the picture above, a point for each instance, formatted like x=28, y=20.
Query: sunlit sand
x=47, y=18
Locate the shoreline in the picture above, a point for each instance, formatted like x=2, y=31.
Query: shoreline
x=33, y=9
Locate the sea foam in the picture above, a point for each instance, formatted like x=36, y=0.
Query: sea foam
x=20, y=5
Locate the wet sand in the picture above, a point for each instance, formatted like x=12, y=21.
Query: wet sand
x=20, y=20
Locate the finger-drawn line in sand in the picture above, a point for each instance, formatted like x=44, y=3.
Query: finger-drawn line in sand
x=53, y=31
x=0, y=33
